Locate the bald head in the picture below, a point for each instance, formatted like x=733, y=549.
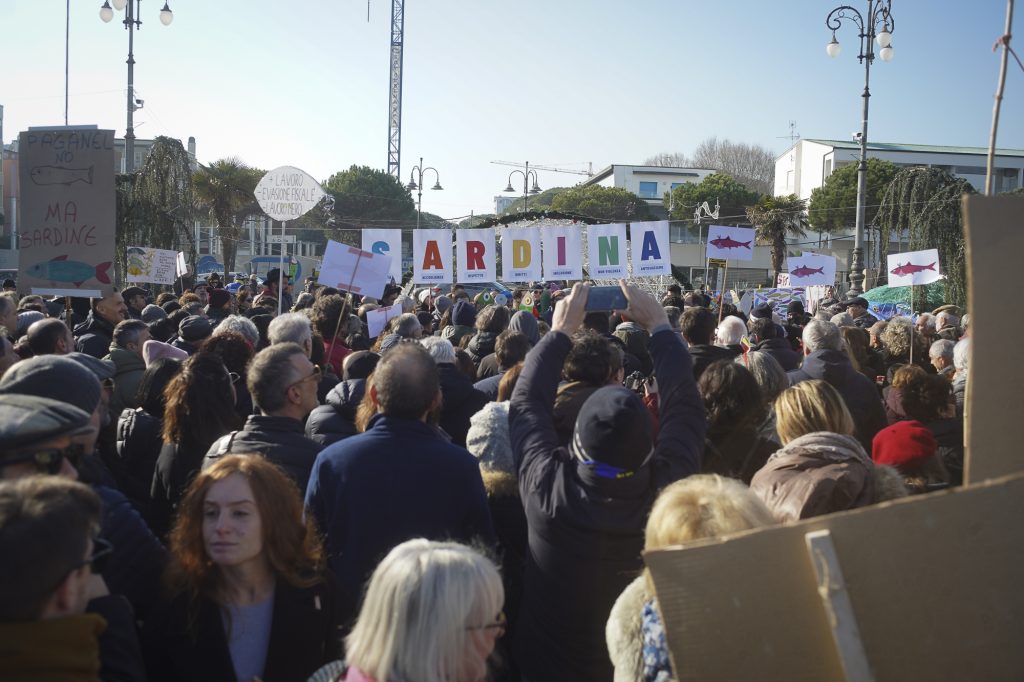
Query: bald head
x=50, y=337
x=405, y=383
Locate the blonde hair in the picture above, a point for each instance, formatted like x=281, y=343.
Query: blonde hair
x=700, y=507
x=419, y=603
x=811, y=406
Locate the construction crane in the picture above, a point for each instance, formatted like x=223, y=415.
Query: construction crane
x=589, y=172
x=395, y=89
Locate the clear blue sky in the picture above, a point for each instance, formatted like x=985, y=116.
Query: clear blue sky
x=555, y=82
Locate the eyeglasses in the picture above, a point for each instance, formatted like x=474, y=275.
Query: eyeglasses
x=101, y=551
x=234, y=377
x=500, y=624
x=49, y=461
x=316, y=374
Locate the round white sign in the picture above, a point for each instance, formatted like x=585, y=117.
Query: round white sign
x=287, y=193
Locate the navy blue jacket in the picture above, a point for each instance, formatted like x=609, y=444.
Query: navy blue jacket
x=93, y=336
x=398, y=480
x=586, y=533
x=858, y=392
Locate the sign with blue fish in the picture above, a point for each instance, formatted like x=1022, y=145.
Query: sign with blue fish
x=62, y=270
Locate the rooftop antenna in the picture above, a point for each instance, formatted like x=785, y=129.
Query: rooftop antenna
x=793, y=135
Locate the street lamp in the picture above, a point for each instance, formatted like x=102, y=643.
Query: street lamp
x=131, y=22
x=878, y=26
x=417, y=174
x=527, y=190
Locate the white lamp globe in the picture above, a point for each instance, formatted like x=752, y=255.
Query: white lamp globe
x=884, y=39
x=886, y=53
x=833, y=49
x=119, y=4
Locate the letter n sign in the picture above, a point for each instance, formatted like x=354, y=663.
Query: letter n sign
x=475, y=251
x=606, y=246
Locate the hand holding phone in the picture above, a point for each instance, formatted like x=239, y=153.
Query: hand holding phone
x=606, y=299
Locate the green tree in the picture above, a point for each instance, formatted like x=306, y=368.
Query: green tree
x=926, y=202
x=776, y=218
x=367, y=197
x=155, y=204
x=833, y=206
x=732, y=196
x=601, y=203
x=225, y=189
x=537, y=202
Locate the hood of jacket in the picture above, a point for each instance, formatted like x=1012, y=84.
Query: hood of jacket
x=464, y=314
x=815, y=474
x=126, y=361
x=455, y=386
x=526, y=324
x=829, y=365
x=482, y=345
x=346, y=396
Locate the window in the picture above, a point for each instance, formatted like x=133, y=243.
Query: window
x=828, y=167
x=679, y=184
x=648, y=190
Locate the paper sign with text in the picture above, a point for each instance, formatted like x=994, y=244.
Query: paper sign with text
x=158, y=266
x=66, y=212
x=563, y=252
x=520, y=254
x=377, y=319
x=810, y=269
x=731, y=243
x=350, y=269
x=287, y=193
x=475, y=255
x=432, y=256
x=606, y=248
x=914, y=267
x=386, y=242
x=651, y=249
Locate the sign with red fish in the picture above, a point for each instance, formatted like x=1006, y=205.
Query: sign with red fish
x=810, y=269
x=731, y=243
x=915, y=267
x=67, y=211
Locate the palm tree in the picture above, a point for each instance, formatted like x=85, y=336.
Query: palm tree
x=225, y=189
x=776, y=218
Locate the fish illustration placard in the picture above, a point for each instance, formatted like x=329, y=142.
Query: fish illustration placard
x=60, y=175
x=915, y=267
x=60, y=270
x=157, y=266
x=810, y=269
x=731, y=243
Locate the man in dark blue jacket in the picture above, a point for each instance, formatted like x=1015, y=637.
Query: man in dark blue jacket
x=400, y=479
x=824, y=359
x=587, y=505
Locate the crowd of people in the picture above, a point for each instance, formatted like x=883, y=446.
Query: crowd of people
x=195, y=487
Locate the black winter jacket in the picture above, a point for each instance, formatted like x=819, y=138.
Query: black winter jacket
x=704, y=355
x=480, y=346
x=586, y=532
x=93, y=336
x=337, y=419
x=781, y=350
x=859, y=393
x=460, y=402
x=139, y=441
x=279, y=439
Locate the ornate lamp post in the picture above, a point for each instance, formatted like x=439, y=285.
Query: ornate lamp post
x=527, y=190
x=131, y=22
x=416, y=174
x=876, y=25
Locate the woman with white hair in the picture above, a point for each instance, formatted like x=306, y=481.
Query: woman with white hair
x=730, y=333
x=432, y=613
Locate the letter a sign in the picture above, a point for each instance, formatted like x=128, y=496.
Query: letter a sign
x=652, y=255
x=431, y=256
x=475, y=255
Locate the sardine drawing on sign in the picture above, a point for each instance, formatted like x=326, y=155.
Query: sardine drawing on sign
x=59, y=175
x=727, y=243
x=804, y=271
x=60, y=269
x=910, y=268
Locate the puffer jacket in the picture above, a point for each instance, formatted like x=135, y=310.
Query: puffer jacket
x=820, y=473
x=279, y=439
x=480, y=346
x=138, y=446
x=337, y=419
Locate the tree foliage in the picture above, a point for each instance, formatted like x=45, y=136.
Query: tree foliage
x=225, y=189
x=733, y=197
x=537, y=201
x=926, y=202
x=367, y=197
x=776, y=218
x=602, y=203
x=668, y=160
x=833, y=206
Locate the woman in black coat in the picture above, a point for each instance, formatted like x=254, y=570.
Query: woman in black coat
x=248, y=596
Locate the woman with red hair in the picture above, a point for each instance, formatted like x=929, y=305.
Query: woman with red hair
x=248, y=598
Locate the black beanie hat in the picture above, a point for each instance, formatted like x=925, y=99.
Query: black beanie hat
x=613, y=429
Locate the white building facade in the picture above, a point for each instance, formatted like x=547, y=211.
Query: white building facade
x=650, y=183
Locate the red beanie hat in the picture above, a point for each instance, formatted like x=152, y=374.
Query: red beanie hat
x=904, y=444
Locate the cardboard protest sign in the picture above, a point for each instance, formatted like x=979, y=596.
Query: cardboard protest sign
x=475, y=255
x=914, y=267
x=920, y=572
x=386, y=242
x=350, y=269
x=377, y=319
x=730, y=243
x=66, y=212
x=606, y=248
x=432, y=256
x=563, y=252
x=811, y=269
x=287, y=193
x=651, y=249
x=158, y=266
x=521, y=254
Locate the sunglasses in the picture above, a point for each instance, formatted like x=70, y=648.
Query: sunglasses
x=49, y=461
x=315, y=374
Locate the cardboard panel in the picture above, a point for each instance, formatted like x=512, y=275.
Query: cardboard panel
x=935, y=583
x=995, y=242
